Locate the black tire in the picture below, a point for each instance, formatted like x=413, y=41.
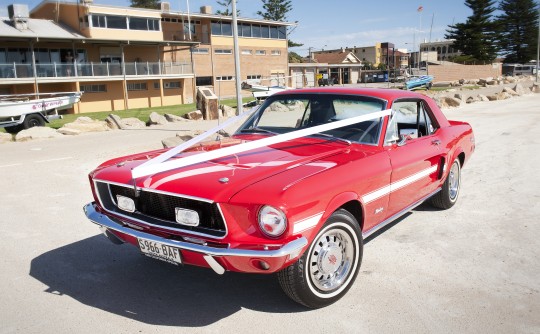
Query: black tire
x=336, y=252
x=448, y=196
x=33, y=120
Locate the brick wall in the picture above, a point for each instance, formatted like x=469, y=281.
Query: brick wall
x=467, y=72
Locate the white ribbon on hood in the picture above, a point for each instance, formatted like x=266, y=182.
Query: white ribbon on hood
x=160, y=164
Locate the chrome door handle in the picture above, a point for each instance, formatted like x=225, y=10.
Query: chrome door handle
x=436, y=142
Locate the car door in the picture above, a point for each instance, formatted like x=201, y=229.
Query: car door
x=413, y=145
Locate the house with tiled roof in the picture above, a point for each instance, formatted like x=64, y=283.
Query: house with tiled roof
x=326, y=69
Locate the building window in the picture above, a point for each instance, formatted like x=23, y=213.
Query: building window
x=142, y=23
x=223, y=51
x=156, y=85
x=254, y=76
x=250, y=30
x=282, y=32
x=247, y=52
x=172, y=85
x=256, y=30
x=121, y=22
x=225, y=78
x=244, y=30
x=94, y=88
x=221, y=28
x=201, y=51
x=116, y=22
x=260, y=52
x=274, y=32
x=98, y=21
x=203, y=81
x=276, y=53
x=265, y=31
x=136, y=86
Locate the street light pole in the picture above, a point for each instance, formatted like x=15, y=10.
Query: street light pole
x=538, y=45
x=236, y=60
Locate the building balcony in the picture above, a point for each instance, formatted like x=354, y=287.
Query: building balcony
x=62, y=72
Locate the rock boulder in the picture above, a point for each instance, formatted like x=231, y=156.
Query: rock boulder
x=174, y=118
x=37, y=132
x=113, y=122
x=157, y=119
x=194, y=115
x=86, y=124
x=227, y=111
x=132, y=123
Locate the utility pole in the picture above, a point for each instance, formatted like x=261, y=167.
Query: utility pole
x=538, y=45
x=236, y=59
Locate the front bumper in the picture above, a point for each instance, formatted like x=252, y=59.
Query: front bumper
x=287, y=252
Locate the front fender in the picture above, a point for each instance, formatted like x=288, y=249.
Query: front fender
x=339, y=201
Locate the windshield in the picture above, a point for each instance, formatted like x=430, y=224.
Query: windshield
x=286, y=113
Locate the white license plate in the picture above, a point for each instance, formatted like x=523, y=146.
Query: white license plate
x=160, y=251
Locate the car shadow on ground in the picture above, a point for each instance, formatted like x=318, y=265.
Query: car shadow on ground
x=119, y=280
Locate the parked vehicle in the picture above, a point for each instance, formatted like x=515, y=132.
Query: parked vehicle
x=295, y=191
x=415, y=82
x=23, y=111
x=518, y=69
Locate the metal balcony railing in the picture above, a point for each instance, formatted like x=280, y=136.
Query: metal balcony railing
x=63, y=70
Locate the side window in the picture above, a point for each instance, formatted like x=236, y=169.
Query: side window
x=409, y=118
x=428, y=122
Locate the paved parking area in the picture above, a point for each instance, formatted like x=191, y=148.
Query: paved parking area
x=474, y=268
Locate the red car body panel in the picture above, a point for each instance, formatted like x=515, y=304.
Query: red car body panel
x=307, y=178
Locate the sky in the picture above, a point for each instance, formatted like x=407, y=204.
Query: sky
x=324, y=24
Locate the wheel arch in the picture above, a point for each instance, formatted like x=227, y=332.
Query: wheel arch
x=39, y=114
x=349, y=201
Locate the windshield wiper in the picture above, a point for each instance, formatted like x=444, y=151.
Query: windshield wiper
x=348, y=142
x=259, y=130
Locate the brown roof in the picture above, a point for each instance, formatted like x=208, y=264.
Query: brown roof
x=332, y=58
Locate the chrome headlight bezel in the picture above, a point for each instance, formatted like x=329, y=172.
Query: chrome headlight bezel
x=272, y=221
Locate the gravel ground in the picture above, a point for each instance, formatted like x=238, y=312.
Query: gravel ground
x=472, y=269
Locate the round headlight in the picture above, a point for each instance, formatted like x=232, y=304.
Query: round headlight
x=272, y=221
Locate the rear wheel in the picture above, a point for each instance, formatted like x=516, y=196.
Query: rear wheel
x=448, y=196
x=329, y=267
x=33, y=120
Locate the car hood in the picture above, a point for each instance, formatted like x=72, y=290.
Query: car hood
x=220, y=179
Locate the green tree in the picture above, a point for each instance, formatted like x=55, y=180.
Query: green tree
x=151, y=4
x=295, y=58
x=275, y=10
x=476, y=37
x=518, y=30
x=228, y=9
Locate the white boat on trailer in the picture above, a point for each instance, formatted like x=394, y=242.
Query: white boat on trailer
x=23, y=111
x=261, y=92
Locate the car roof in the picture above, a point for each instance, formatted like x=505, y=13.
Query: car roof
x=386, y=94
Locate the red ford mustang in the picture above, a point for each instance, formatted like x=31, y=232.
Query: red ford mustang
x=294, y=191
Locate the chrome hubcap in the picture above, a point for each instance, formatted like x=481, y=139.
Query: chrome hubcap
x=453, y=181
x=331, y=259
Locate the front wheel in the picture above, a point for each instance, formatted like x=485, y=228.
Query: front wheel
x=329, y=267
x=448, y=195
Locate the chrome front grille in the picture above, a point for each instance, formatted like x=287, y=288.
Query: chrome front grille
x=158, y=209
